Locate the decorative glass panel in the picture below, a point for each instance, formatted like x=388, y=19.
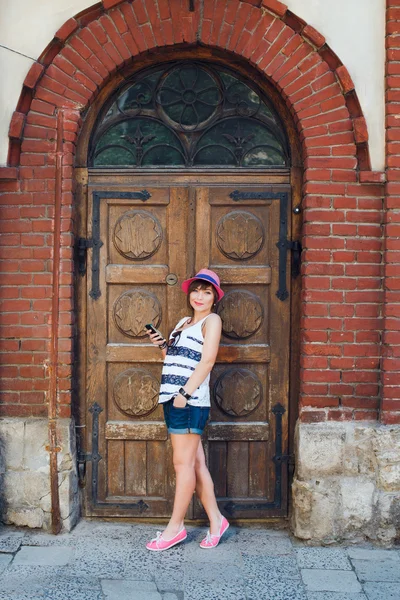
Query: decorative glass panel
x=188, y=115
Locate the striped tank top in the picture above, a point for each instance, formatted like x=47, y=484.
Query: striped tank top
x=181, y=360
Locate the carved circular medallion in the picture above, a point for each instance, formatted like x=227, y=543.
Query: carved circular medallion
x=135, y=392
x=189, y=96
x=133, y=309
x=241, y=313
x=240, y=235
x=137, y=234
x=238, y=392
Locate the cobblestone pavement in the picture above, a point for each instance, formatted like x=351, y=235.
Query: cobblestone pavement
x=108, y=561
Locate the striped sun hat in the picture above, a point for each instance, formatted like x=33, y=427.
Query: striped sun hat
x=205, y=275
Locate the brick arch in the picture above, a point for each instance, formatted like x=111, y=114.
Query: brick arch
x=342, y=216
x=91, y=47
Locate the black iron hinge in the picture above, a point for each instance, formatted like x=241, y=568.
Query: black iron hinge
x=296, y=257
x=82, y=246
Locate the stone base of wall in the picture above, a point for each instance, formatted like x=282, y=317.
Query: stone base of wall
x=25, y=473
x=347, y=482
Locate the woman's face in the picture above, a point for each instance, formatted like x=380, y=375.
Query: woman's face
x=201, y=300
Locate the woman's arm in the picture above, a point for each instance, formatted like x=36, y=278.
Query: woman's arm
x=212, y=337
x=154, y=337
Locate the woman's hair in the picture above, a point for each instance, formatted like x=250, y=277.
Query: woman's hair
x=203, y=285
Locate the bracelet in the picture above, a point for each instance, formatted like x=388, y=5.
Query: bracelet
x=163, y=345
x=184, y=394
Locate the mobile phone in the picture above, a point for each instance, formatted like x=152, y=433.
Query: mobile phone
x=152, y=329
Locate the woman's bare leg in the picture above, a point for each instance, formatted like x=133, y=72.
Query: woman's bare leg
x=205, y=491
x=184, y=448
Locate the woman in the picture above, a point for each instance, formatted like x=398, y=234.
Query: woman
x=185, y=395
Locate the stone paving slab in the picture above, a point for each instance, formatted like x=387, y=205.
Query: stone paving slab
x=275, y=589
x=22, y=596
x=274, y=567
x=324, y=580
x=257, y=543
x=368, y=570
x=373, y=554
x=5, y=560
x=128, y=589
x=217, y=573
x=10, y=542
x=382, y=591
x=323, y=558
x=40, y=555
x=222, y=553
x=214, y=591
x=336, y=596
x=27, y=583
x=170, y=579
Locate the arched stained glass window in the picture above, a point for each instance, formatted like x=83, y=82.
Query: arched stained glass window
x=189, y=114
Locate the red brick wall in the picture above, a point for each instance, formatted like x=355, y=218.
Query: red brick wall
x=391, y=309
x=342, y=262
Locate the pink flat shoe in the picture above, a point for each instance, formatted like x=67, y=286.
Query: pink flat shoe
x=211, y=541
x=158, y=543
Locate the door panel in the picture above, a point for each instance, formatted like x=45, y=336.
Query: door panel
x=142, y=242
x=239, y=241
x=144, y=236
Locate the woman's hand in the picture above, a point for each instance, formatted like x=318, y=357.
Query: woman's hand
x=155, y=338
x=179, y=401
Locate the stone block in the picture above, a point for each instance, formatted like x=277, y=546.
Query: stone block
x=11, y=444
x=387, y=452
x=68, y=476
x=36, y=457
x=388, y=512
x=27, y=489
x=320, y=450
x=315, y=507
x=27, y=517
x=302, y=494
x=355, y=465
x=357, y=502
x=359, y=457
x=387, y=444
x=389, y=477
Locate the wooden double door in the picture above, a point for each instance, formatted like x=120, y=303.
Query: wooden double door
x=145, y=235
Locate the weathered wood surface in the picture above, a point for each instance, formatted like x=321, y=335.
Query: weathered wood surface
x=135, y=274
x=142, y=430
x=238, y=432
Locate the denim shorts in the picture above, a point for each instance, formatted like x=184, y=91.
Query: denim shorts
x=189, y=419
